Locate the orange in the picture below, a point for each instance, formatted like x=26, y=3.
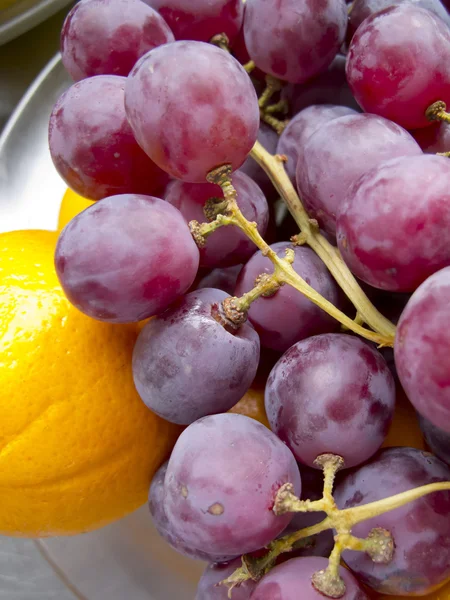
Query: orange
x=252, y=405
x=78, y=448
x=405, y=430
x=71, y=205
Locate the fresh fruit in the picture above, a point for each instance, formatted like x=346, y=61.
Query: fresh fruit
x=72, y=204
x=398, y=64
x=112, y=259
x=204, y=109
x=331, y=394
x=437, y=439
x=209, y=587
x=422, y=346
x=393, y=229
x=186, y=346
x=404, y=429
x=92, y=145
x=420, y=529
x=223, y=505
x=78, y=447
x=252, y=405
x=107, y=37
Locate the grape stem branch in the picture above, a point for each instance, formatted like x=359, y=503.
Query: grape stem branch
x=310, y=234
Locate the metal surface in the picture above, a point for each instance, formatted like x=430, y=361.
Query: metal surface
x=127, y=560
x=22, y=15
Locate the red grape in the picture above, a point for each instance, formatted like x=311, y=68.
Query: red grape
x=331, y=393
x=421, y=529
x=209, y=588
x=221, y=483
x=437, y=439
x=329, y=87
x=361, y=9
x=228, y=245
x=192, y=108
x=394, y=228
x=398, y=64
x=293, y=580
x=301, y=128
x=288, y=316
x=269, y=139
x=422, y=348
x=294, y=41
x=435, y=138
x=107, y=37
x=126, y=258
x=92, y=145
x=156, y=504
x=222, y=279
x=185, y=363
x=201, y=19
x=338, y=153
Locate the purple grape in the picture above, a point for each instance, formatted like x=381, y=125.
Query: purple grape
x=228, y=245
x=422, y=348
x=269, y=139
x=294, y=41
x=394, y=227
x=361, y=9
x=435, y=138
x=204, y=109
x=421, y=529
x=330, y=87
x=222, y=279
x=398, y=64
x=292, y=581
x=92, y=145
x=156, y=504
x=185, y=363
x=331, y=393
x=209, y=588
x=107, y=37
x=221, y=484
x=288, y=316
x=437, y=439
x=201, y=19
x=301, y=128
x=126, y=258
x=338, y=153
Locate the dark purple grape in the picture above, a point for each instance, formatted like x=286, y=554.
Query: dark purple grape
x=361, y=9
x=421, y=529
x=204, y=109
x=293, y=580
x=338, y=153
x=300, y=129
x=269, y=139
x=201, y=19
x=209, y=588
x=422, y=348
x=107, y=37
x=92, y=145
x=435, y=138
x=221, y=484
x=294, y=41
x=185, y=363
x=331, y=393
x=394, y=227
x=228, y=245
x=221, y=279
x=288, y=316
x=156, y=504
x=437, y=439
x=398, y=64
x=330, y=87
x=126, y=258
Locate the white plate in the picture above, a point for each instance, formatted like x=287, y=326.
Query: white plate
x=22, y=15
x=126, y=560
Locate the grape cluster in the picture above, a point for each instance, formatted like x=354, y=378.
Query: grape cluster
x=196, y=126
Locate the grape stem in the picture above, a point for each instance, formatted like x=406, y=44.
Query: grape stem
x=283, y=270
x=438, y=112
x=310, y=234
x=379, y=544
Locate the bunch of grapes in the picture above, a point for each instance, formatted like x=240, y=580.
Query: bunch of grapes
x=197, y=125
